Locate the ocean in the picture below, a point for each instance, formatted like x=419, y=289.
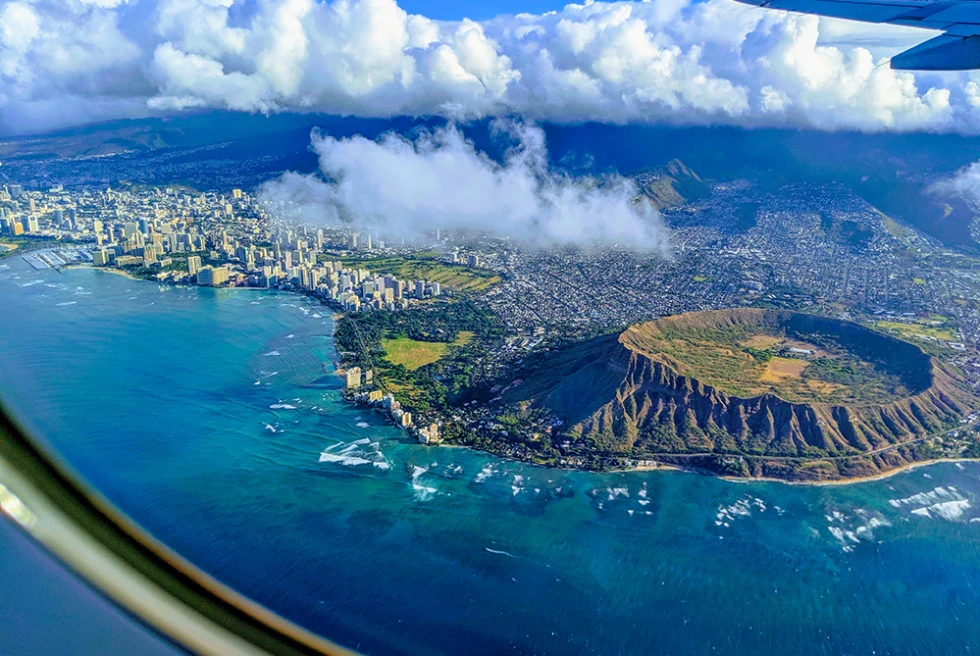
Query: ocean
x=203, y=415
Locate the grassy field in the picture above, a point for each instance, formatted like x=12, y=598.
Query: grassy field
x=895, y=229
x=917, y=330
x=413, y=354
x=748, y=364
x=761, y=341
x=426, y=266
x=779, y=369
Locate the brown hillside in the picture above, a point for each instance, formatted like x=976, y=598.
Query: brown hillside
x=626, y=395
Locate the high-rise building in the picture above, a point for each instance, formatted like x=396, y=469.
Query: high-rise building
x=219, y=276
x=353, y=378
x=212, y=277
x=419, y=288
x=193, y=265
x=236, y=193
x=205, y=276
x=100, y=257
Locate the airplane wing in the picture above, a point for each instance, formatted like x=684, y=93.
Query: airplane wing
x=956, y=50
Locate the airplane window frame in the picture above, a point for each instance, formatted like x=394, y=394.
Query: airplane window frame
x=138, y=573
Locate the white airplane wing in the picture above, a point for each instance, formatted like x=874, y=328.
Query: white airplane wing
x=956, y=50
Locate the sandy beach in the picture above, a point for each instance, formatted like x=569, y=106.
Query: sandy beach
x=118, y=272
x=848, y=481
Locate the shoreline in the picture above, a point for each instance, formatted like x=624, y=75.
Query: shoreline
x=851, y=481
x=118, y=272
x=744, y=480
x=8, y=250
x=660, y=467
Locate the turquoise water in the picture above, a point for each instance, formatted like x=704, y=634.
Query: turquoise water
x=203, y=413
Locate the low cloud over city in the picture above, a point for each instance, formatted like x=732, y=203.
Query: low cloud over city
x=408, y=188
x=71, y=61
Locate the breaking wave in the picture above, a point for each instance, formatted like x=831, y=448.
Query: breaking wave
x=941, y=502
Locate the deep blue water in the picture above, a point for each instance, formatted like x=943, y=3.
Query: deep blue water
x=162, y=398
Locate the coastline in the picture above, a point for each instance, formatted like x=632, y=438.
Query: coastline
x=850, y=481
x=741, y=479
x=642, y=468
x=744, y=480
x=670, y=467
x=118, y=272
x=8, y=250
x=125, y=274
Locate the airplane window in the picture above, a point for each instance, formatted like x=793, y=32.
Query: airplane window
x=614, y=328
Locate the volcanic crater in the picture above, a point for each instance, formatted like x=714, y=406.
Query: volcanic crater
x=751, y=392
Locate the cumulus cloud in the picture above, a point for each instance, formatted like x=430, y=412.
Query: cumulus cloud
x=406, y=188
x=715, y=61
x=965, y=183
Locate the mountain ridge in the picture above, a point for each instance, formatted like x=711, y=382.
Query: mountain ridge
x=643, y=406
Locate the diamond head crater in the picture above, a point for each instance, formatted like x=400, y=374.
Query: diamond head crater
x=746, y=392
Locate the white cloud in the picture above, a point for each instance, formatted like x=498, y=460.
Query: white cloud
x=406, y=188
x=19, y=26
x=674, y=60
x=965, y=183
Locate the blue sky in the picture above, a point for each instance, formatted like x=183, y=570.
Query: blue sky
x=477, y=10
